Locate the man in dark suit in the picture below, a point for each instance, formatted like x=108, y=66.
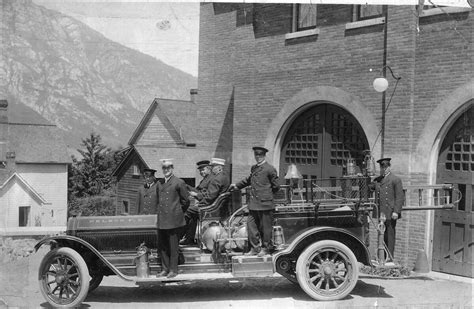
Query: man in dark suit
x=192, y=213
x=172, y=204
x=218, y=184
x=390, y=197
x=263, y=182
x=146, y=198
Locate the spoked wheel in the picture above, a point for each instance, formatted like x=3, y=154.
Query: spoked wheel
x=327, y=270
x=95, y=282
x=63, y=278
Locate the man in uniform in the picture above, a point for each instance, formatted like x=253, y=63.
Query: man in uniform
x=146, y=198
x=172, y=204
x=389, y=196
x=218, y=184
x=192, y=213
x=263, y=182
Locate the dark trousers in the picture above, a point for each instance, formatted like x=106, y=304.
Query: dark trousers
x=168, y=248
x=389, y=235
x=191, y=216
x=259, y=228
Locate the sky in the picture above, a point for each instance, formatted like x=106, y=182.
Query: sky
x=168, y=31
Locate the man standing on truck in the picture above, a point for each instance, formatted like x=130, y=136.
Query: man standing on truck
x=263, y=182
x=146, y=198
x=173, y=200
x=389, y=196
x=192, y=213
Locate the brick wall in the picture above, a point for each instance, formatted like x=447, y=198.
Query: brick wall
x=263, y=72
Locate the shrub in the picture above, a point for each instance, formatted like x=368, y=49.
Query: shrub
x=92, y=206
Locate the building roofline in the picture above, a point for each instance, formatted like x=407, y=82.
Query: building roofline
x=26, y=184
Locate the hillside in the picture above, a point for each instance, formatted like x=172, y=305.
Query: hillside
x=76, y=78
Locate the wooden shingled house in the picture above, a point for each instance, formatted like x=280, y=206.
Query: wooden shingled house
x=167, y=130
x=33, y=173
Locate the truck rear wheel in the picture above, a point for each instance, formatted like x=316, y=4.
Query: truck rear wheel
x=95, y=282
x=327, y=270
x=63, y=278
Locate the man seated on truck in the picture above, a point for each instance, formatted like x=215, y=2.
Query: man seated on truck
x=193, y=211
x=218, y=184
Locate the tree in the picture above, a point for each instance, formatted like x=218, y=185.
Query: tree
x=92, y=175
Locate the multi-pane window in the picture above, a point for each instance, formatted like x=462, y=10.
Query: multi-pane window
x=460, y=151
x=305, y=16
x=460, y=156
x=362, y=12
x=303, y=147
x=346, y=140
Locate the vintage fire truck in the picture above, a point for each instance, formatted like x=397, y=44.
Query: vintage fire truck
x=319, y=233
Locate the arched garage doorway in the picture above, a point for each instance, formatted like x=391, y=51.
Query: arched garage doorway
x=452, y=239
x=320, y=140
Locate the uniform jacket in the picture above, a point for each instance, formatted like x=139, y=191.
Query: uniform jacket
x=263, y=182
x=202, y=186
x=147, y=200
x=389, y=195
x=218, y=185
x=204, y=183
x=173, y=201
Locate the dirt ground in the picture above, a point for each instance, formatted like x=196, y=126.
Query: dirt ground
x=19, y=289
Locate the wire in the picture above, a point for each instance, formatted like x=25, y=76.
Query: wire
x=386, y=108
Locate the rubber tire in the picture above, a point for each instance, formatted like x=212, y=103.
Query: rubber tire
x=309, y=253
x=81, y=268
x=95, y=282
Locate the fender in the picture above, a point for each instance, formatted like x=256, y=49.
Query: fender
x=361, y=251
x=57, y=240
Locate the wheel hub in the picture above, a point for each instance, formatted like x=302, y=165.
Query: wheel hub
x=327, y=269
x=61, y=277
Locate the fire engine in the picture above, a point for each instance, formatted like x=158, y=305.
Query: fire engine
x=319, y=233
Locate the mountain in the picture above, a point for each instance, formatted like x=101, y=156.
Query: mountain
x=76, y=78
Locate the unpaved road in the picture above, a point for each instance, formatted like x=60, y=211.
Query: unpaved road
x=19, y=288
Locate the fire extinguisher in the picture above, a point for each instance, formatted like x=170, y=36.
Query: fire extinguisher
x=141, y=261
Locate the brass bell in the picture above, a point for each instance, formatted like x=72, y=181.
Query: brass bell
x=292, y=172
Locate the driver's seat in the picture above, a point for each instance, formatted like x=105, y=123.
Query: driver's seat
x=220, y=206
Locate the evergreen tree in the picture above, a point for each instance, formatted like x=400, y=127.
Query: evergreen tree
x=92, y=175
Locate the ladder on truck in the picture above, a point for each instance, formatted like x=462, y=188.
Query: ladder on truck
x=430, y=197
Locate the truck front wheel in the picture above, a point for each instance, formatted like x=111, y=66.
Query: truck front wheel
x=63, y=278
x=327, y=270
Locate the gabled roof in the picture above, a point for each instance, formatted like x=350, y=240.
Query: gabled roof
x=184, y=160
x=174, y=121
x=129, y=152
x=22, y=114
x=34, y=143
x=26, y=185
x=32, y=138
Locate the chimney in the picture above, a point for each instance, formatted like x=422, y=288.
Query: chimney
x=3, y=132
x=193, y=93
